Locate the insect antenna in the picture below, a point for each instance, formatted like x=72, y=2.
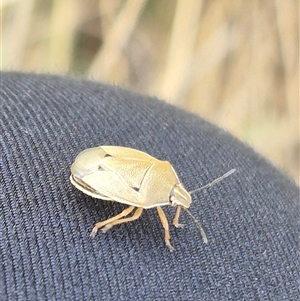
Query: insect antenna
x=203, y=234
x=215, y=181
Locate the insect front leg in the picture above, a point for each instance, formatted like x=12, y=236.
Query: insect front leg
x=176, y=218
x=165, y=224
x=125, y=212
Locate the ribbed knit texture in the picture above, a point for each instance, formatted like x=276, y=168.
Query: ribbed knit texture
x=251, y=218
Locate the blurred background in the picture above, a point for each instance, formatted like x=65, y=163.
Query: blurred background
x=235, y=63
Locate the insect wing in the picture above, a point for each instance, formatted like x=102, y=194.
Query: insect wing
x=127, y=153
x=112, y=187
x=87, y=161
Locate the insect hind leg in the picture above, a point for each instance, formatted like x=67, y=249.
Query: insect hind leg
x=109, y=221
x=135, y=216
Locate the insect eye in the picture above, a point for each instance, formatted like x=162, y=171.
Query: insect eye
x=173, y=201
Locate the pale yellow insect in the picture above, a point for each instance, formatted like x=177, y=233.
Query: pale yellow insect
x=134, y=178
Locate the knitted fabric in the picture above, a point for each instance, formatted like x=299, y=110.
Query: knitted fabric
x=251, y=218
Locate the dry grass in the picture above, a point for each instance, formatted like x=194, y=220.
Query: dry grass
x=233, y=62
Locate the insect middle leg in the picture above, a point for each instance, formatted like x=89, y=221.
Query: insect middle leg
x=165, y=224
x=118, y=219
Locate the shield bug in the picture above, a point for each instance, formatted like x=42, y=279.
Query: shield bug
x=134, y=178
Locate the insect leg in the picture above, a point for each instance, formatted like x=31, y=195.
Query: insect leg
x=102, y=224
x=136, y=215
x=176, y=218
x=165, y=224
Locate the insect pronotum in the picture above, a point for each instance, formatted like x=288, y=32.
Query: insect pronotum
x=136, y=179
